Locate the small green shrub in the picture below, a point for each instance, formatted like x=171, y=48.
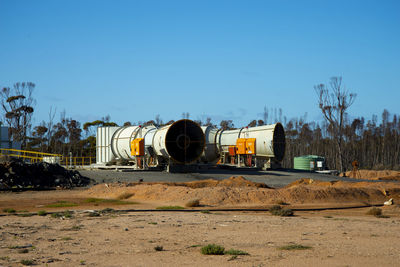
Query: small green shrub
x=205, y=211
x=235, y=252
x=279, y=211
x=27, y=262
x=9, y=210
x=232, y=258
x=108, y=210
x=94, y=214
x=158, y=248
x=193, y=203
x=155, y=223
x=65, y=214
x=375, y=212
x=383, y=216
x=170, y=208
x=294, y=247
x=42, y=213
x=23, y=250
x=213, y=249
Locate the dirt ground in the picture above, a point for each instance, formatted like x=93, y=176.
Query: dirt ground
x=374, y=175
x=129, y=233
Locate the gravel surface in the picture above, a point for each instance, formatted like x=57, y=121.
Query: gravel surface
x=272, y=178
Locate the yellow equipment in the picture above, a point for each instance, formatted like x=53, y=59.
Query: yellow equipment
x=137, y=147
x=246, y=146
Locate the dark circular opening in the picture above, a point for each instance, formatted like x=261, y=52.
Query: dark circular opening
x=185, y=141
x=279, y=142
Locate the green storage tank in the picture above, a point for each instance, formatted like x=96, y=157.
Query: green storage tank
x=309, y=163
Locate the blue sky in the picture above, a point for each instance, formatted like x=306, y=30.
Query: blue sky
x=223, y=59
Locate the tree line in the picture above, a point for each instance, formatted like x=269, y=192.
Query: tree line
x=338, y=138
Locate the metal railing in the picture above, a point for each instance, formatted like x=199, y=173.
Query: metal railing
x=77, y=161
x=34, y=156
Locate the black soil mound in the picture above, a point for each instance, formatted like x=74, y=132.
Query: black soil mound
x=15, y=173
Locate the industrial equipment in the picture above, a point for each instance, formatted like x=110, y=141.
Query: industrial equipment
x=182, y=142
x=261, y=146
x=185, y=142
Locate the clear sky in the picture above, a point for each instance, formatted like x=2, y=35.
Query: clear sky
x=223, y=59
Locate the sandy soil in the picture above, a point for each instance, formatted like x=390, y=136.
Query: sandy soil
x=336, y=239
x=374, y=175
x=344, y=237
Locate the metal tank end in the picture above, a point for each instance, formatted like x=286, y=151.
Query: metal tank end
x=185, y=141
x=279, y=142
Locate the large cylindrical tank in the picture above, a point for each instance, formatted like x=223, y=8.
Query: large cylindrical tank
x=122, y=138
x=210, y=154
x=270, y=140
x=183, y=141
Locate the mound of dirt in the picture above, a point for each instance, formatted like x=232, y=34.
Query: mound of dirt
x=16, y=173
x=233, y=181
x=237, y=191
x=374, y=175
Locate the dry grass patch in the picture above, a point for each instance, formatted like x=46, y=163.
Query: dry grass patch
x=193, y=203
x=108, y=201
x=62, y=204
x=9, y=210
x=279, y=211
x=125, y=195
x=375, y=211
x=295, y=247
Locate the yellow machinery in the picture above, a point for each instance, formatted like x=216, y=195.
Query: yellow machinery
x=137, y=147
x=137, y=150
x=246, y=146
x=244, y=150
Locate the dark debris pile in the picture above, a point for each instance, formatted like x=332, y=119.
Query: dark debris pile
x=15, y=173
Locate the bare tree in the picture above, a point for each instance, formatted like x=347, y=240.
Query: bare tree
x=158, y=120
x=50, y=124
x=17, y=104
x=227, y=124
x=334, y=102
x=185, y=115
x=265, y=115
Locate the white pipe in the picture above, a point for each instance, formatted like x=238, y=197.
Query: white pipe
x=183, y=141
x=122, y=138
x=270, y=140
x=210, y=154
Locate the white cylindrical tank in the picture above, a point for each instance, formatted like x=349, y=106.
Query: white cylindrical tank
x=122, y=138
x=210, y=154
x=270, y=140
x=183, y=141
